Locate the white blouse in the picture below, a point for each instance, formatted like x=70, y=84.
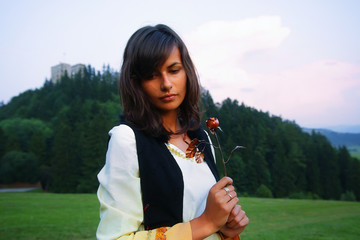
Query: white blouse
x=119, y=193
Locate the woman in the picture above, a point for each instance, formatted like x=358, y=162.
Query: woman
x=148, y=188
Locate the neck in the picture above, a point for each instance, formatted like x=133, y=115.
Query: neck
x=170, y=121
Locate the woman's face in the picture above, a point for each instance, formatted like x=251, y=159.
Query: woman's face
x=166, y=88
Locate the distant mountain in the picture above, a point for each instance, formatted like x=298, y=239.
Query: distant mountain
x=337, y=138
x=345, y=128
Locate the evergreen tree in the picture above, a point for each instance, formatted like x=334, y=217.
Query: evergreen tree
x=3, y=141
x=344, y=162
x=65, y=160
x=282, y=178
x=237, y=171
x=94, y=149
x=18, y=167
x=354, y=178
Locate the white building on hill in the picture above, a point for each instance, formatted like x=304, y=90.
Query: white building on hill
x=59, y=70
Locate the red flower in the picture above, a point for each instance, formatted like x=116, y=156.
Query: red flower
x=212, y=123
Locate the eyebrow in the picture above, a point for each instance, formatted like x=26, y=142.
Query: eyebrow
x=175, y=63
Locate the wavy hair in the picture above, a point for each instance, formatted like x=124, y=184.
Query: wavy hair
x=147, y=49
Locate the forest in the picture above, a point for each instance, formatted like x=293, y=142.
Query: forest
x=58, y=135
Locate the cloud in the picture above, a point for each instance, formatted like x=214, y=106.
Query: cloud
x=218, y=48
x=323, y=90
x=313, y=93
x=220, y=41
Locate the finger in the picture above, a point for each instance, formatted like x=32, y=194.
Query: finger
x=226, y=200
x=223, y=183
x=224, y=193
x=234, y=212
x=244, y=222
x=231, y=195
x=228, y=188
x=232, y=203
x=235, y=223
x=226, y=197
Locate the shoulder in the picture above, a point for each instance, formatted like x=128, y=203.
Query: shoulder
x=122, y=134
x=121, y=130
x=121, y=154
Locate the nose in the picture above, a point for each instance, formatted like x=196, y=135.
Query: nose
x=166, y=83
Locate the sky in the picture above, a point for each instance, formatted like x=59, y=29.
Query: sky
x=296, y=59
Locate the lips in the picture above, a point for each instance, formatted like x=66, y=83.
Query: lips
x=168, y=97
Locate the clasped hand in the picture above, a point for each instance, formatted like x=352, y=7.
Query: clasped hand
x=222, y=209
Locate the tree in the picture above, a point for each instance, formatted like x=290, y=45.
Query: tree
x=94, y=149
x=65, y=160
x=2, y=143
x=263, y=192
x=19, y=132
x=18, y=167
x=354, y=177
x=344, y=162
x=237, y=171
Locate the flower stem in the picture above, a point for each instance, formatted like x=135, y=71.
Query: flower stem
x=221, y=153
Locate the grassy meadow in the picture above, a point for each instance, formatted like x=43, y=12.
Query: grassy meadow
x=354, y=151
x=75, y=216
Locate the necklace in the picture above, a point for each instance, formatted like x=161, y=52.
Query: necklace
x=178, y=152
x=193, y=151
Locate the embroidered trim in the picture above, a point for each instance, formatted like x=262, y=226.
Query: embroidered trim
x=179, y=153
x=160, y=233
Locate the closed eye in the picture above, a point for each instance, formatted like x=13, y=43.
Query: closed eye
x=174, y=71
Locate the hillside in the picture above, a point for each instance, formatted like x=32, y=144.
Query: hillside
x=59, y=132
x=337, y=138
x=344, y=128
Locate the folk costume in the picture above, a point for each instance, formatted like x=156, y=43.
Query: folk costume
x=149, y=189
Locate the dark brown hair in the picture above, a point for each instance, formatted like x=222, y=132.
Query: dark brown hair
x=147, y=49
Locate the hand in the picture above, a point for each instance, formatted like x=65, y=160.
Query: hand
x=219, y=205
x=236, y=223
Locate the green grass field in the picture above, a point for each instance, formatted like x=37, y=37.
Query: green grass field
x=354, y=151
x=75, y=216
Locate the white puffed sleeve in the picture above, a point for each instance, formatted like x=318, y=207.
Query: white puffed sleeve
x=119, y=192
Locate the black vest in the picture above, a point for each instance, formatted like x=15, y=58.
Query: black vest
x=161, y=179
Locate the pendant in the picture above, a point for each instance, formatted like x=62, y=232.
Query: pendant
x=199, y=157
x=193, y=151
